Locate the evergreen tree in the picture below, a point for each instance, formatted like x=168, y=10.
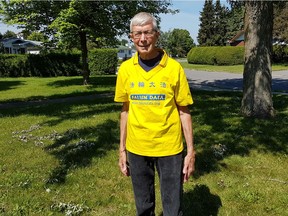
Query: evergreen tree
x=213, y=24
x=206, y=24
x=220, y=27
x=235, y=19
x=280, y=28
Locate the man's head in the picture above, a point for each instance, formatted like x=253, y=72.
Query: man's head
x=144, y=33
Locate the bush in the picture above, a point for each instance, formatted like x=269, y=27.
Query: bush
x=103, y=61
x=43, y=65
x=216, y=55
x=280, y=54
x=230, y=55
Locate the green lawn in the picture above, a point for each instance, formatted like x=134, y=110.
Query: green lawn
x=34, y=88
x=57, y=159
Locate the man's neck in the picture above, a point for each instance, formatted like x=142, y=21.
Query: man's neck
x=148, y=56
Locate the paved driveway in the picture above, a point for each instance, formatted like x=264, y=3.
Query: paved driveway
x=222, y=81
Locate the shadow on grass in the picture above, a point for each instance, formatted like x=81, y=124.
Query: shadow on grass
x=74, y=152
x=7, y=84
x=93, y=81
x=201, y=202
x=220, y=131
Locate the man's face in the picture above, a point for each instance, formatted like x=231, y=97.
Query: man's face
x=144, y=38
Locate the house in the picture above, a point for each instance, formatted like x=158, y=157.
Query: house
x=238, y=39
x=125, y=52
x=20, y=46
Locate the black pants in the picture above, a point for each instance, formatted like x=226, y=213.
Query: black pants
x=142, y=171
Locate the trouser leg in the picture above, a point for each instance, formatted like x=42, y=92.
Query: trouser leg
x=170, y=175
x=142, y=173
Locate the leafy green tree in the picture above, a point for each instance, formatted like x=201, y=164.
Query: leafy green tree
x=9, y=34
x=78, y=21
x=180, y=42
x=31, y=15
x=37, y=36
x=163, y=40
x=99, y=19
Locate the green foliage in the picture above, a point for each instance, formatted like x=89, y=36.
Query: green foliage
x=280, y=24
x=43, y=65
x=213, y=24
x=9, y=34
x=235, y=19
x=179, y=43
x=280, y=54
x=103, y=61
x=37, y=36
x=227, y=55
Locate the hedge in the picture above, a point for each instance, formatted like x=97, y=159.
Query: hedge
x=230, y=55
x=103, y=61
x=216, y=55
x=280, y=54
x=42, y=65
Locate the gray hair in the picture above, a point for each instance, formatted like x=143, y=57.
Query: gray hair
x=143, y=18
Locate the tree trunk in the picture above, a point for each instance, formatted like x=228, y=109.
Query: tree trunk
x=257, y=80
x=84, y=51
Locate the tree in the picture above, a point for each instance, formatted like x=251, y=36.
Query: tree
x=37, y=36
x=9, y=34
x=79, y=20
x=280, y=27
x=220, y=26
x=213, y=24
x=163, y=40
x=180, y=42
x=235, y=19
x=257, y=79
x=99, y=19
x=206, y=24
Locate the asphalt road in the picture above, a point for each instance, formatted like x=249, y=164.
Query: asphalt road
x=223, y=81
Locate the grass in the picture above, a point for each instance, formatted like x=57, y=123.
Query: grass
x=230, y=68
x=34, y=88
x=61, y=159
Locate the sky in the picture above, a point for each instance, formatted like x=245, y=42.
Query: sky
x=187, y=18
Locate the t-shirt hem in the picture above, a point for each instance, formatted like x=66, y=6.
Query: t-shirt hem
x=150, y=154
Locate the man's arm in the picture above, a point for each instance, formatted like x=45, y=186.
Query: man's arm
x=189, y=160
x=123, y=134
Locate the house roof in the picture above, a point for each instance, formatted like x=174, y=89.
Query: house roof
x=238, y=37
x=21, y=42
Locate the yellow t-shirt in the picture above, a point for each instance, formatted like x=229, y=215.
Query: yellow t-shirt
x=153, y=127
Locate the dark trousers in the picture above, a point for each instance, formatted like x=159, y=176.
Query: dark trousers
x=142, y=171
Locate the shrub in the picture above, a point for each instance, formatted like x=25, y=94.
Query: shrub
x=230, y=55
x=280, y=54
x=43, y=65
x=216, y=55
x=103, y=61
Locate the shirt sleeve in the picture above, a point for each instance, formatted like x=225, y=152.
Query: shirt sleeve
x=120, y=90
x=183, y=95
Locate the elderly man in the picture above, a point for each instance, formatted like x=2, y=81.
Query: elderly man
x=155, y=94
